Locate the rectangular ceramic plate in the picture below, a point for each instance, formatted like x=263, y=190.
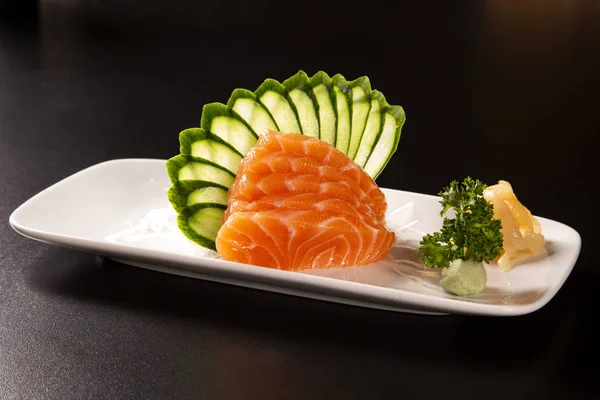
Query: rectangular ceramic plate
x=119, y=209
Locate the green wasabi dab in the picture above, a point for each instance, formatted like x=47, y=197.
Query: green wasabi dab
x=464, y=277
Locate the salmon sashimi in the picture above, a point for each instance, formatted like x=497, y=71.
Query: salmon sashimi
x=253, y=187
x=299, y=203
x=282, y=162
x=291, y=163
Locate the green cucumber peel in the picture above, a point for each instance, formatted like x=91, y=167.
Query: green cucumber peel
x=340, y=91
x=274, y=97
x=181, y=197
x=325, y=98
x=199, y=178
x=300, y=93
x=204, y=234
x=359, y=97
x=250, y=109
x=201, y=145
x=216, y=117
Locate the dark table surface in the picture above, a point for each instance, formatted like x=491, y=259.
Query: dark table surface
x=492, y=89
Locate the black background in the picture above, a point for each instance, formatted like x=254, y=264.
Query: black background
x=492, y=89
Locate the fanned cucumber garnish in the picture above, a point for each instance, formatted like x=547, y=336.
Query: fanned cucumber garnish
x=348, y=115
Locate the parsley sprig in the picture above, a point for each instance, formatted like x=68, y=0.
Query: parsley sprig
x=472, y=234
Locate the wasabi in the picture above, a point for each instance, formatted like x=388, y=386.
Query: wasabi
x=464, y=277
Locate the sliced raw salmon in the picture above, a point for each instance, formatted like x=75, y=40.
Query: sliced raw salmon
x=252, y=187
x=297, y=202
x=288, y=162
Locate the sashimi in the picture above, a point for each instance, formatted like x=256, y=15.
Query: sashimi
x=290, y=162
x=281, y=161
x=253, y=186
x=299, y=203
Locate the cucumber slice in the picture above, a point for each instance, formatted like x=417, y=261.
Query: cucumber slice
x=199, y=171
x=201, y=223
x=273, y=96
x=245, y=103
x=372, y=128
x=208, y=195
x=180, y=197
x=192, y=174
x=387, y=143
x=323, y=89
x=360, y=103
x=204, y=146
x=229, y=126
x=343, y=128
x=301, y=95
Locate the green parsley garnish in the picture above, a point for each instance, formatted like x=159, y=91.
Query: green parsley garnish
x=473, y=233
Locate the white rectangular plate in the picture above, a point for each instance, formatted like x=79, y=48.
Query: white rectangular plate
x=120, y=209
